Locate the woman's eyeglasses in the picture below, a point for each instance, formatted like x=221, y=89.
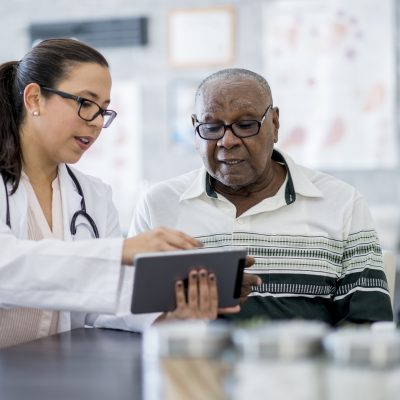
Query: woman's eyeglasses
x=88, y=110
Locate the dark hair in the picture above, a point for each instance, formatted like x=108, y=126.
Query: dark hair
x=46, y=64
x=235, y=73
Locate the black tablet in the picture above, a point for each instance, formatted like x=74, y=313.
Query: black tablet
x=156, y=273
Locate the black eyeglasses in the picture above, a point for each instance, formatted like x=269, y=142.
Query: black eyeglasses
x=88, y=110
x=241, y=129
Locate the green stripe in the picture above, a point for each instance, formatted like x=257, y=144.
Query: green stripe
x=316, y=266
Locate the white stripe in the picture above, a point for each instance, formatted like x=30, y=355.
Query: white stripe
x=361, y=289
x=253, y=270
x=255, y=294
x=360, y=269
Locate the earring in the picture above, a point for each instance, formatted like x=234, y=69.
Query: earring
x=36, y=113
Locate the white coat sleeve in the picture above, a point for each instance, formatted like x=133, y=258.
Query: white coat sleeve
x=53, y=274
x=124, y=319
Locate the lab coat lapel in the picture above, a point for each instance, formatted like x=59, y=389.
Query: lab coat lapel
x=71, y=200
x=18, y=210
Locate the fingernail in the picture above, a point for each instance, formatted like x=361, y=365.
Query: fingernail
x=179, y=284
x=211, y=277
x=203, y=274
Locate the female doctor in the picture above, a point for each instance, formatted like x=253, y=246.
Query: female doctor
x=53, y=105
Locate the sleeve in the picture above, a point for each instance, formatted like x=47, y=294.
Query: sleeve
x=113, y=228
x=124, y=319
x=141, y=221
x=362, y=293
x=52, y=274
x=82, y=276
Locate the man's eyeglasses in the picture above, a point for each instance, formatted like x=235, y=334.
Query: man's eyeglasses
x=241, y=129
x=88, y=110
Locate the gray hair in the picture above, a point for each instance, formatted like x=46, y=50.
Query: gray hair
x=235, y=73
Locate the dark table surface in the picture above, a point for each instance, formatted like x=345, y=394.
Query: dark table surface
x=80, y=364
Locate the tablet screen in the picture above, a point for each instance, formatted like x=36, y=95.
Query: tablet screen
x=156, y=273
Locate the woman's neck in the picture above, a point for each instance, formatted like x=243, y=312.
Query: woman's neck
x=39, y=175
x=36, y=165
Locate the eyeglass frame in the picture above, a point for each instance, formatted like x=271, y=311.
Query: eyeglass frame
x=80, y=100
x=226, y=126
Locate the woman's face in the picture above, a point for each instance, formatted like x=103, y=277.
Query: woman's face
x=58, y=134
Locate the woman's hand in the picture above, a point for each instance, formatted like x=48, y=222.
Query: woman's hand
x=201, y=301
x=159, y=239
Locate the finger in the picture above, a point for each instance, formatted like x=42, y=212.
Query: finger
x=193, y=295
x=180, y=239
x=248, y=282
x=229, y=310
x=212, y=280
x=249, y=261
x=180, y=296
x=168, y=247
x=251, y=280
x=204, y=294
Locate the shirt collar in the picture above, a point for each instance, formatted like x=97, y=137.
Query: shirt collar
x=297, y=182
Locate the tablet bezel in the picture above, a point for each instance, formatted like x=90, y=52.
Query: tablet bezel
x=155, y=275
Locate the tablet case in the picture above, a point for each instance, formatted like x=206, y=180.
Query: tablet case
x=156, y=273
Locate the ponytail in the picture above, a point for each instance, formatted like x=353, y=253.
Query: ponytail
x=10, y=117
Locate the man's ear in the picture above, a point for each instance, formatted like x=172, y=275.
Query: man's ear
x=275, y=121
x=32, y=98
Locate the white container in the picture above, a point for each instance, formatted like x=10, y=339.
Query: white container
x=280, y=360
x=364, y=364
x=182, y=360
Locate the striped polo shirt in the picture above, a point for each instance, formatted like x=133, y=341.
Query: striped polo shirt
x=314, y=242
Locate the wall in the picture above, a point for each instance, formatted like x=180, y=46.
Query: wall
x=148, y=66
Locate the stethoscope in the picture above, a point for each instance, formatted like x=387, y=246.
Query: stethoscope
x=81, y=212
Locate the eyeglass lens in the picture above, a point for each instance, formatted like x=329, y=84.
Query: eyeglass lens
x=89, y=111
x=241, y=129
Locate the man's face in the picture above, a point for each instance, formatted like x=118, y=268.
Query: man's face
x=237, y=163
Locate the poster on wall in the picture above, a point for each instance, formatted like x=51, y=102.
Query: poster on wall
x=331, y=66
x=181, y=104
x=201, y=36
x=116, y=155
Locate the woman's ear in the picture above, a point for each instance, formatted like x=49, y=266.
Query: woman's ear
x=32, y=99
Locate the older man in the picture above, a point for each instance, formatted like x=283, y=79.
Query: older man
x=312, y=236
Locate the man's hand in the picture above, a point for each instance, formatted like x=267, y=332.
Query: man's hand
x=202, y=298
x=249, y=280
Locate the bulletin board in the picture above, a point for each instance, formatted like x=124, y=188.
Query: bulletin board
x=332, y=70
x=201, y=37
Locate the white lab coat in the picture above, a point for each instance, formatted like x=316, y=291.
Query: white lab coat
x=78, y=274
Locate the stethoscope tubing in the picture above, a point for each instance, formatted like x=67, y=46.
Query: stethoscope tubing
x=82, y=212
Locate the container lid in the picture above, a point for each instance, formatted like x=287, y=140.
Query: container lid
x=364, y=346
x=286, y=339
x=193, y=338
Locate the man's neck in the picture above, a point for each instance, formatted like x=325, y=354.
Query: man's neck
x=243, y=198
